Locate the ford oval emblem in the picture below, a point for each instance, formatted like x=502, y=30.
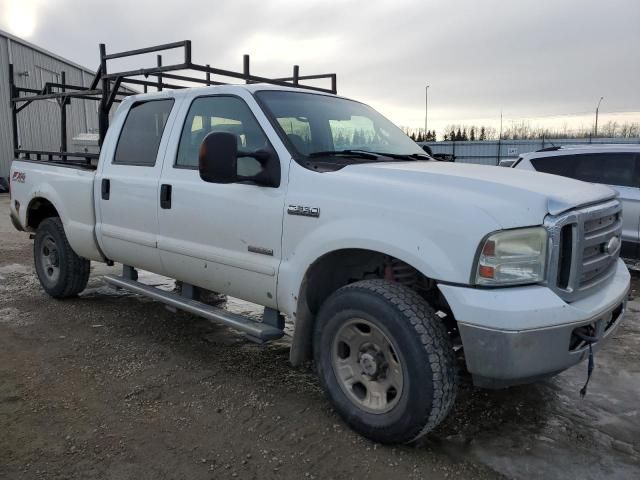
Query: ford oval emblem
x=612, y=245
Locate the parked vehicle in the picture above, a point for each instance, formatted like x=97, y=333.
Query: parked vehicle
x=615, y=165
x=391, y=267
x=507, y=162
x=441, y=157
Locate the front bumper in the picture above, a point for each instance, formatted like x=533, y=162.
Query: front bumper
x=521, y=334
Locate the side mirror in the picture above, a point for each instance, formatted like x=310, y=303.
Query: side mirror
x=218, y=162
x=218, y=158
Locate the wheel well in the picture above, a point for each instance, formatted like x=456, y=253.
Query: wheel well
x=39, y=209
x=342, y=267
x=337, y=269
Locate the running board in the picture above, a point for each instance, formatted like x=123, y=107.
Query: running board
x=256, y=331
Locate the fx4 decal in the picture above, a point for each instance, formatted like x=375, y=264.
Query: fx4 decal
x=19, y=177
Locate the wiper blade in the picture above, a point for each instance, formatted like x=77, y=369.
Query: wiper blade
x=348, y=153
x=404, y=156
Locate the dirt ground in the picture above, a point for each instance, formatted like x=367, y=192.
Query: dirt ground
x=113, y=386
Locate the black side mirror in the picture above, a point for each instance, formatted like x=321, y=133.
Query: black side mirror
x=218, y=158
x=218, y=161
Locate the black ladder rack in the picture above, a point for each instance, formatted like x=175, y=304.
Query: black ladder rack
x=108, y=88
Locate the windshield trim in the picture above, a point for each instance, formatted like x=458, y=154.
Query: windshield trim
x=306, y=161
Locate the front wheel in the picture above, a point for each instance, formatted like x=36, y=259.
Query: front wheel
x=385, y=360
x=61, y=272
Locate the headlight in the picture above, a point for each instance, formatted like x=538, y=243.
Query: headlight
x=513, y=257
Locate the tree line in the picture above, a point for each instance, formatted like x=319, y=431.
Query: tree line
x=524, y=131
x=418, y=135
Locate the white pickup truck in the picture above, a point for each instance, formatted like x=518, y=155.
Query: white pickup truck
x=392, y=267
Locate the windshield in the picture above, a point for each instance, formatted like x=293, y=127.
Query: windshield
x=321, y=125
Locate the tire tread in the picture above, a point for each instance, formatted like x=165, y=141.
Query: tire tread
x=435, y=340
x=77, y=268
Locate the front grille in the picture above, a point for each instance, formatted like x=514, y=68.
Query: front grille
x=583, y=256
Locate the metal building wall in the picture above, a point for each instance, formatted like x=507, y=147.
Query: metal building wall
x=39, y=123
x=490, y=152
x=5, y=115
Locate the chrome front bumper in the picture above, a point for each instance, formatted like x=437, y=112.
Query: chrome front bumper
x=518, y=335
x=500, y=358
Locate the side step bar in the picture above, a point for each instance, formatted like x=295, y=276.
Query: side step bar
x=256, y=331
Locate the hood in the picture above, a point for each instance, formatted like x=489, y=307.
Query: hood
x=512, y=197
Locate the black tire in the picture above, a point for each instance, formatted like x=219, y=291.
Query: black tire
x=422, y=349
x=62, y=273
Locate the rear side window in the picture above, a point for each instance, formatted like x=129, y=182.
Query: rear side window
x=141, y=134
x=616, y=168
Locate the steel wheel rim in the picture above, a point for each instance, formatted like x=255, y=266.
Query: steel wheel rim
x=367, y=367
x=50, y=259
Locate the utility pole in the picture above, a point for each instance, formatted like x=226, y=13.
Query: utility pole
x=595, y=133
x=499, y=141
x=426, y=111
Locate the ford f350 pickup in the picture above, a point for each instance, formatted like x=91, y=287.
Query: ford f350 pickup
x=392, y=267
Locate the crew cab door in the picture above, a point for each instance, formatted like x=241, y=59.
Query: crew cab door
x=126, y=190
x=222, y=237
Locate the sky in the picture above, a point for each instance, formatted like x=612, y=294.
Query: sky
x=545, y=62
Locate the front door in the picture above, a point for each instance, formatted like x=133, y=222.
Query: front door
x=127, y=186
x=222, y=237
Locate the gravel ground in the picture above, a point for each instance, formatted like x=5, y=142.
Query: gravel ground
x=111, y=385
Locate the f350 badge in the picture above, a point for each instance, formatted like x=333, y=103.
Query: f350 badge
x=303, y=211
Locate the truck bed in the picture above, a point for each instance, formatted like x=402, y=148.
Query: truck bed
x=69, y=187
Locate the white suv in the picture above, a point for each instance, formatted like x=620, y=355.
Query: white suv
x=615, y=165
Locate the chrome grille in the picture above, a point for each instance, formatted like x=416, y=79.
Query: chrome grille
x=585, y=235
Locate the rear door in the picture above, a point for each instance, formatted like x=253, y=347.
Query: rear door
x=127, y=186
x=620, y=171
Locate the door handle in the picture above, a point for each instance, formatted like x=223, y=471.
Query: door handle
x=105, y=188
x=165, y=196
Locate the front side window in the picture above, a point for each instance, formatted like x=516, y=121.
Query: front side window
x=141, y=134
x=613, y=168
x=321, y=123
x=298, y=131
x=221, y=114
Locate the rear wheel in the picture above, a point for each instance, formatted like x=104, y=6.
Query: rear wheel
x=61, y=272
x=385, y=360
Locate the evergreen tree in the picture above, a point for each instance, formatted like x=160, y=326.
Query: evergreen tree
x=459, y=134
x=483, y=134
x=413, y=136
x=472, y=134
x=464, y=134
x=452, y=135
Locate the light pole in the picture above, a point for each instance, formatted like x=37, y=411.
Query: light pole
x=595, y=133
x=426, y=110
